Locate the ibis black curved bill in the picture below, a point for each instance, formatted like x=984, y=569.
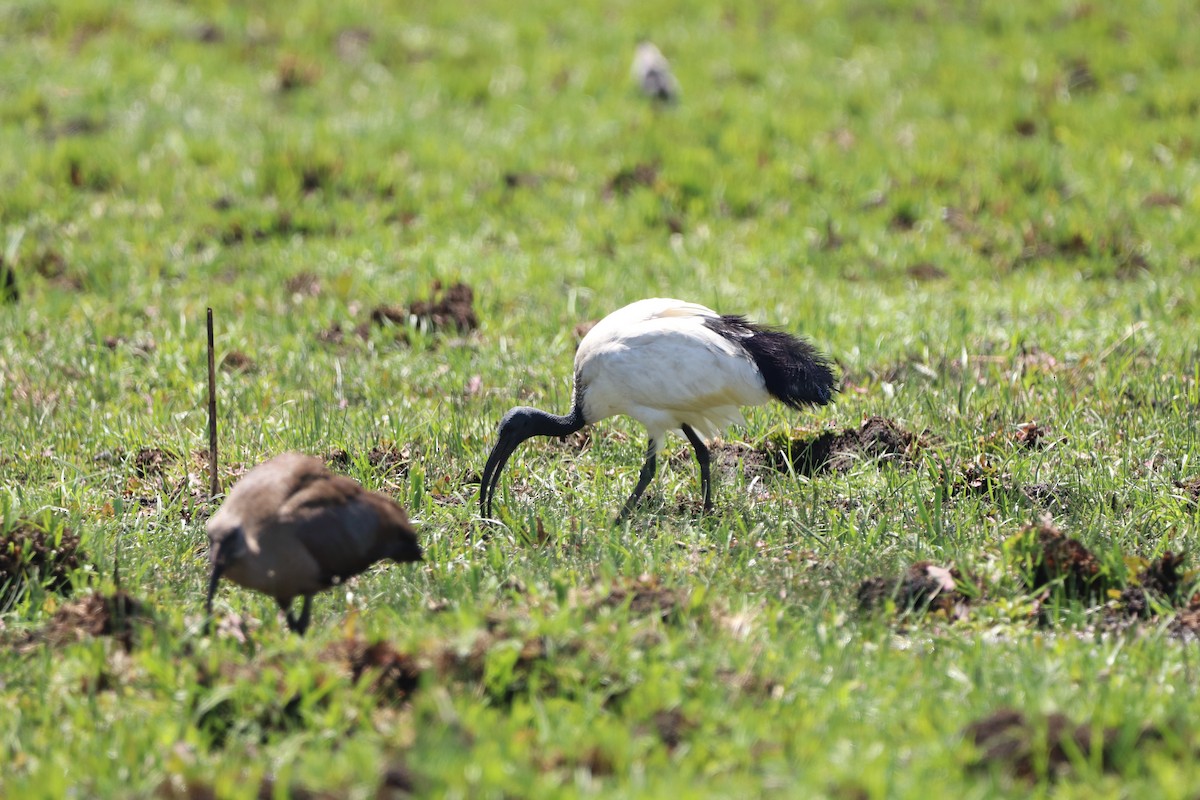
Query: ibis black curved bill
x=213, y=580
x=491, y=473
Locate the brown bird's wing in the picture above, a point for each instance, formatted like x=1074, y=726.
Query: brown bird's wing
x=338, y=523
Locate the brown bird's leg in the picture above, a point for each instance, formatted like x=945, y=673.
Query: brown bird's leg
x=702, y=457
x=305, y=615
x=297, y=626
x=644, y=478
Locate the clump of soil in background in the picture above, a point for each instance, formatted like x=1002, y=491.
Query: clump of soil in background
x=452, y=307
x=1031, y=435
x=117, y=615
x=925, y=271
x=30, y=553
x=877, y=439
x=237, y=361
x=1191, y=488
x=303, y=284
x=1161, y=579
x=1006, y=738
x=978, y=477
x=397, y=781
x=672, y=726
x=626, y=180
x=923, y=587
x=646, y=597
x=385, y=457
x=396, y=675
x=1047, y=558
x=150, y=461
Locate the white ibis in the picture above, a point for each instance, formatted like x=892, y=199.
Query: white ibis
x=653, y=74
x=674, y=367
x=291, y=527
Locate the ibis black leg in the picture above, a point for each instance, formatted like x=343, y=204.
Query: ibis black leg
x=701, y=457
x=644, y=478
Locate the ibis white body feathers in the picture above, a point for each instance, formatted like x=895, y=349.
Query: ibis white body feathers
x=672, y=366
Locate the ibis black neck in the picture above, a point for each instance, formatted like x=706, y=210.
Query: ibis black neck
x=518, y=425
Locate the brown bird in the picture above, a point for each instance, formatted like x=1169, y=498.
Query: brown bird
x=291, y=527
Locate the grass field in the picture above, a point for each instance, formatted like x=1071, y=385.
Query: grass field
x=985, y=212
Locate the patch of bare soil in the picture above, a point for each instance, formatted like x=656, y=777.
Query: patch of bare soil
x=385, y=457
x=303, y=284
x=521, y=180
x=1161, y=200
x=118, y=615
x=446, y=308
x=352, y=44
x=237, y=361
x=924, y=587
x=1048, y=559
x=1186, y=623
x=470, y=665
x=29, y=553
x=141, y=345
x=394, y=675
x=1191, y=488
x=626, y=180
x=1160, y=580
x=1008, y=740
x=151, y=461
x=1047, y=495
x=645, y=596
x=397, y=781
x=593, y=759
x=876, y=439
x=672, y=727
x=294, y=72
x=925, y=271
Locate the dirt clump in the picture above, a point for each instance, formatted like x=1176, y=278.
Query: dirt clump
x=925, y=271
x=924, y=587
x=396, y=675
x=1008, y=739
x=303, y=284
x=385, y=457
x=470, y=665
x=30, y=553
x=1047, y=559
x=117, y=615
x=876, y=439
x=672, y=727
x=1047, y=495
x=624, y=181
x=396, y=781
x=1191, y=489
x=447, y=308
x=1186, y=623
x=1159, y=583
x=150, y=461
x=977, y=477
x=645, y=596
x=237, y=361
x=1031, y=435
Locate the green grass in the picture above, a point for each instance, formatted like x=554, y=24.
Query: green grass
x=161, y=158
